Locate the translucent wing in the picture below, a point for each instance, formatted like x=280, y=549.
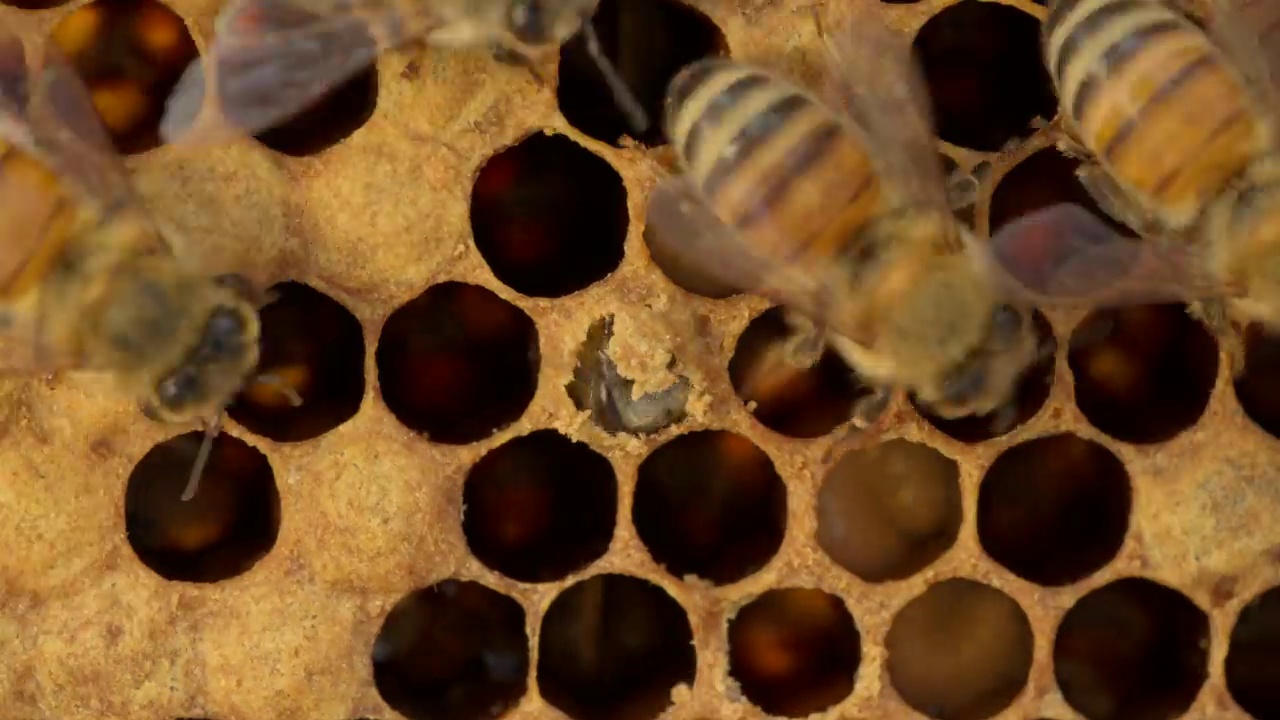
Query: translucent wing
x=873, y=77
x=1248, y=31
x=270, y=60
x=1064, y=255
x=690, y=232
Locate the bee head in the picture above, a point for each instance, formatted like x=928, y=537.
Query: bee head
x=214, y=369
x=986, y=378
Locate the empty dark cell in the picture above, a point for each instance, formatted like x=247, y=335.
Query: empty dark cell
x=647, y=41
x=794, y=401
x=539, y=507
x=332, y=119
x=1043, y=178
x=457, y=363
x=1033, y=391
x=1253, y=657
x=982, y=63
x=710, y=504
x=229, y=526
x=612, y=647
x=1132, y=649
x=599, y=388
x=1143, y=374
x=888, y=511
x=313, y=346
x=961, y=650
x=549, y=216
x=794, y=651
x=1258, y=388
x=456, y=650
x=1055, y=509
x=130, y=54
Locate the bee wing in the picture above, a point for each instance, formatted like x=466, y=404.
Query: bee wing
x=271, y=59
x=1064, y=255
x=690, y=232
x=873, y=77
x=1248, y=31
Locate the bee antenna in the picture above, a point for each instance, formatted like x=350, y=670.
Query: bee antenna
x=202, y=457
x=280, y=385
x=626, y=99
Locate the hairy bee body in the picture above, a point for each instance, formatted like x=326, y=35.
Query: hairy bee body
x=800, y=190
x=1156, y=103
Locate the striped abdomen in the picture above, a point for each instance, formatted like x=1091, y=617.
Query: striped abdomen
x=36, y=221
x=770, y=160
x=1149, y=95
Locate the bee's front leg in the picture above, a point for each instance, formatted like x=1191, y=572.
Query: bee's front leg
x=1215, y=314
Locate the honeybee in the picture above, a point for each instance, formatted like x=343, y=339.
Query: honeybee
x=1175, y=127
x=87, y=282
x=842, y=216
x=271, y=59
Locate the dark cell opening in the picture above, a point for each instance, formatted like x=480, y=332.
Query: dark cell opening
x=888, y=511
x=332, y=119
x=612, y=647
x=794, y=651
x=1258, y=388
x=648, y=41
x=1253, y=657
x=314, y=346
x=794, y=401
x=457, y=363
x=599, y=388
x=539, y=507
x=1043, y=178
x=231, y=523
x=987, y=661
x=1033, y=391
x=710, y=504
x=1054, y=510
x=130, y=54
x=456, y=650
x=1143, y=374
x=549, y=216
x=981, y=61
x=1132, y=649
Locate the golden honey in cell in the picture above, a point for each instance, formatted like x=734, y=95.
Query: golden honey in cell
x=843, y=218
x=86, y=280
x=272, y=59
x=1176, y=130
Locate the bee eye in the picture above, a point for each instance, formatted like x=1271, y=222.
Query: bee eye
x=179, y=388
x=1006, y=322
x=965, y=383
x=223, y=332
x=528, y=22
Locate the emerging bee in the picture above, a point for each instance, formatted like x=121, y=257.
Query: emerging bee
x=843, y=217
x=271, y=59
x=1176, y=129
x=86, y=280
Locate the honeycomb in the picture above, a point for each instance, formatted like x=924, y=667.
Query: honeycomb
x=449, y=527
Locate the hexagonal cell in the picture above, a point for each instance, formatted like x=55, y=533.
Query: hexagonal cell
x=982, y=64
x=888, y=511
x=1132, y=649
x=539, y=506
x=1257, y=389
x=794, y=651
x=456, y=650
x=1054, y=510
x=612, y=647
x=314, y=346
x=233, y=523
x=603, y=391
x=130, y=54
x=1143, y=374
x=648, y=42
x=1033, y=391
x=796, y=402
x=1252, y=675
x=457, y=363
x=549, y=216
x=1043, y=178
x=961, y=650
x=711, y=504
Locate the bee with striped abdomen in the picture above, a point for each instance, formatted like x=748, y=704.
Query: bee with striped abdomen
x=1176, y=130
x=271, y=59
x=87, y=282
x=842, y=216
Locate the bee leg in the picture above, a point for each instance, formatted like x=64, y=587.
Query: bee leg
x=1215, y=314
x=962, y=189
x=806, y=344
x=868, y=408
x=515, y=58
x=1112, y=199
